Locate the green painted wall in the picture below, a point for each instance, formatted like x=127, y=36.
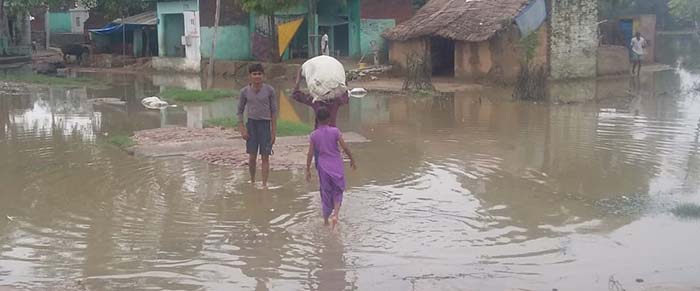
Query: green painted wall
x=59, y=22
x=232, y=42
x=372, y=29
x=354, y=27
x=168, y=8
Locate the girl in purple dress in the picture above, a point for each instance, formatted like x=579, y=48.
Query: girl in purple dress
x=331, y=173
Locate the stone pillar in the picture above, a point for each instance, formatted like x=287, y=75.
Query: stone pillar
x=573, y=39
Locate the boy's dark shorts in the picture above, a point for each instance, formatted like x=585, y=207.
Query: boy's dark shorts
x=259, y=137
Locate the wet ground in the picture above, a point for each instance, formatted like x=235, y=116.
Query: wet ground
x=456, y=192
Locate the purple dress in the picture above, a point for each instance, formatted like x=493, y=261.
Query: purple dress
x=331, y=171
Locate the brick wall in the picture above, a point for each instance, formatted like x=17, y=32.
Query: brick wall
x=231, y=13
x=573, y=38
x=400, y=10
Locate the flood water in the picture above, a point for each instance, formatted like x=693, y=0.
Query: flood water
x=459, y=192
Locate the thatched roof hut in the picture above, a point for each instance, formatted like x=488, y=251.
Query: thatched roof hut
x=461, y=20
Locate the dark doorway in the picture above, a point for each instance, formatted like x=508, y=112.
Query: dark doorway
x=341, y=35
x=442, y=52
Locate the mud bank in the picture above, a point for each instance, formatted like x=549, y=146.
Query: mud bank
x=223, y=147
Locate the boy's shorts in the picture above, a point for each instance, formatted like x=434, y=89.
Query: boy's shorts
x=259, y=137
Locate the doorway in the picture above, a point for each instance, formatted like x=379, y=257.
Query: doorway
x=442, y=56
x=174, y=31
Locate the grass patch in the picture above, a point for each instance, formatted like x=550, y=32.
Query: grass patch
x=288, y=128
x=184, y=95
x=121, y=141
x=52, y=81
x=687, y=210
x=284, y=128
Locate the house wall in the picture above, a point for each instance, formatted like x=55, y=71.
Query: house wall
x=60, y=22
x=233, y=36
x=574, y=38
x=371, y=30
x=377, y=17
x=171, y=7
x=78, y=18
x=613, y=60
x=498, y=58
x=232, y=42
x=167, y=36
x=354, y=27
x=400, y=50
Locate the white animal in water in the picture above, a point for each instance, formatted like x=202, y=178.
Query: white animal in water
x=358, y=92
x=155, y=103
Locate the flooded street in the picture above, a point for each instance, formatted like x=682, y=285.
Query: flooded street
x=457, y=192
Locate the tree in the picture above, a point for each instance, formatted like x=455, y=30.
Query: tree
x=268, y=8
x=113, y=9
x=212, y=58
x=687, y=10
x=20, y=8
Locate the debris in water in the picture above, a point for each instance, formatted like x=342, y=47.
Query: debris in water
x=154, y=102
x=358, y=92
x=10, y=218
x=640, y=280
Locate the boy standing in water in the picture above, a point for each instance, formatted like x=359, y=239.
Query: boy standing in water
x=260, y=101
x=331, y=173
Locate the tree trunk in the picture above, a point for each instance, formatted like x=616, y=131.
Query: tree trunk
x=4, y=32
x=274, y=40
x=210, y=73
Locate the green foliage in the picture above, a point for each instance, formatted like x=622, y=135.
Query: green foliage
x=121, y=141
x=184, y=95
x=688, y=10
x=284, y=128
x=24, y=6
x=528, y=46
x=288, y=128
x=113, y=9
x=268, y=7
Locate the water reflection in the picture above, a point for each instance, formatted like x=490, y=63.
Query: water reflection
x=455, y=191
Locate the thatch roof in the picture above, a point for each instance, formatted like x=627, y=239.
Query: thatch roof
x=464, y=20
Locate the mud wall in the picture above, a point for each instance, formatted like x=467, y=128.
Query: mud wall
x=400, y=50
x=497, y=59
x=573, y=38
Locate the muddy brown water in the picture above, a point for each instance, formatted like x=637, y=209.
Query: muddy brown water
x=453, y=193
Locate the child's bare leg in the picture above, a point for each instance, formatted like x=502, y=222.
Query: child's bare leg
x=336, y=215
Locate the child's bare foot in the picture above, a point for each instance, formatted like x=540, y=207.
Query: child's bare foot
x=334, y=221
